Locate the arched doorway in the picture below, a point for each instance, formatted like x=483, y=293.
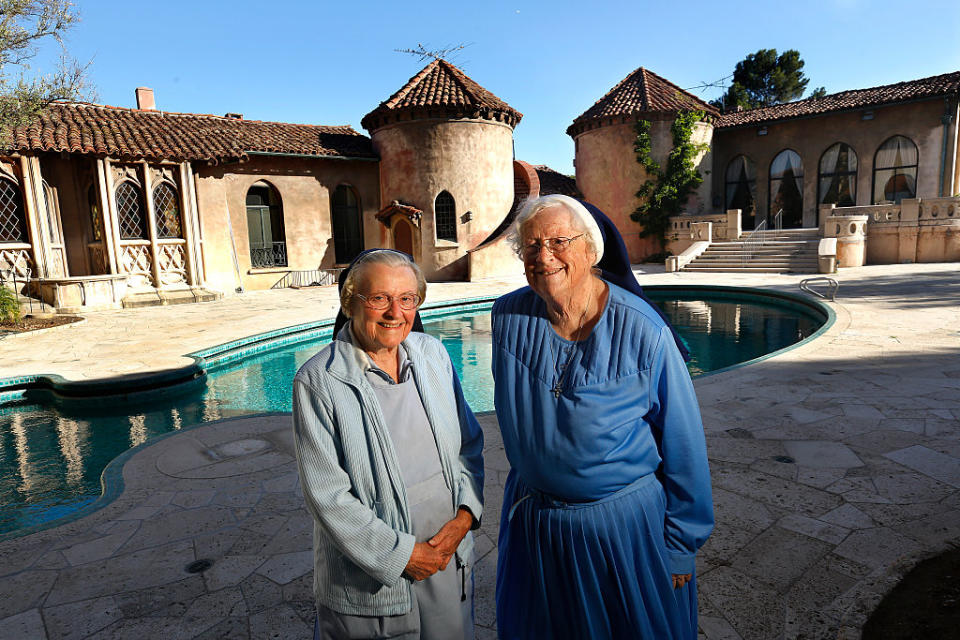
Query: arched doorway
x=403, y=236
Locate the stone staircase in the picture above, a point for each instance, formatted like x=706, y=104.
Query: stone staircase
x=785, y=251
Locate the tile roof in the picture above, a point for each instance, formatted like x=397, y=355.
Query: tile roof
x=395, y=207
x=934, y=86
x=132, y=134
x=552, y=181
x=641, y=92
x=441, y=90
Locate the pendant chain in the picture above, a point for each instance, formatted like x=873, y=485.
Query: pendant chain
x=563, y=368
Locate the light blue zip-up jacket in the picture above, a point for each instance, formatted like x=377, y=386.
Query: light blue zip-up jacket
x=351, y=480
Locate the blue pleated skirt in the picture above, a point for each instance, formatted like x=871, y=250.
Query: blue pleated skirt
x=589, y=570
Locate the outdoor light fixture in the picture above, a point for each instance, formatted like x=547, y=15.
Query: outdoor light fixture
x=762, y=131
x=867, y=115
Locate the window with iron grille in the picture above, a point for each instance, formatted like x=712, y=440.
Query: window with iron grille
x=347, y=225
x=167, y=209
x=131, y=212
x=445, y=217
x=13, y=222
x=268, y=247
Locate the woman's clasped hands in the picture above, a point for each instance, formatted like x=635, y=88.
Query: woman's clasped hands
x=435, y=554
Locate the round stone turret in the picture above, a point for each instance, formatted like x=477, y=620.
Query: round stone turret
x=608, y=173
x=446, y=149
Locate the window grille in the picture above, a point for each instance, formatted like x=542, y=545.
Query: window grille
x=13, y=224
x=445, y=217
x=166, y=206
x=130, y=211
x=268, y=246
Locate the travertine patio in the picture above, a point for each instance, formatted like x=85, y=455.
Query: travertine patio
x=869, y=414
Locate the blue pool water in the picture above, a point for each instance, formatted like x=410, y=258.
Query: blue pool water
x=53, y=450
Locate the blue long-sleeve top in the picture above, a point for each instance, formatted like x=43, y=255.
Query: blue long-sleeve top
x=626, y=409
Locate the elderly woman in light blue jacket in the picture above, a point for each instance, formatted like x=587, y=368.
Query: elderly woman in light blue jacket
x=391, y=467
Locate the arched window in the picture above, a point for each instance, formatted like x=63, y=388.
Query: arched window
x=741, y=190
x=445, y=217
x=131, y=212
x=268, y=247
x=13, y=222
x=166, y=206
x=837, y=180
x=786, y=188
x=895, y=170
x=347, y=225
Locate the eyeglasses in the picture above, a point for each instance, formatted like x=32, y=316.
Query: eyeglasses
x=556, y=246
x=381, y=301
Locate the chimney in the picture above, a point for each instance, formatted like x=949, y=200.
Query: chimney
x=145, y=101
x=233, y=116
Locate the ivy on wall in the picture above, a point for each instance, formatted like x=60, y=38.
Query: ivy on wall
x=668, y=191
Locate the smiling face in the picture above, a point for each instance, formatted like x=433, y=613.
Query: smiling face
x=555, y=277
x=379, y=330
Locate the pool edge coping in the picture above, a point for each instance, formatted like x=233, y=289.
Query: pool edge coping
x=111, y=478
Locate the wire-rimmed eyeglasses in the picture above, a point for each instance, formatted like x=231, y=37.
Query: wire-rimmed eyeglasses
x=556, y=246
x=381, y=301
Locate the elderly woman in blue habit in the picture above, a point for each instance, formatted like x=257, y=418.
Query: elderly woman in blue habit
x=390, y=464
x=608, y=497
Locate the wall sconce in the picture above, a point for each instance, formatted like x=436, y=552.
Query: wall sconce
x=762, y=131
x=466, y=217
x=867, y=115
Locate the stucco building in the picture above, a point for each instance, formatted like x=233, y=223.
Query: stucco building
x=853, y=153
x=104, y=206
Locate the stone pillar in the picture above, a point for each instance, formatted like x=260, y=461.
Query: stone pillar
x=734, y=226
x=824, y=211
x=151, y=225
x=851, y=235
x=186, y=220
x=106, y=220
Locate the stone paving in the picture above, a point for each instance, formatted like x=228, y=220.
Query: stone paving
x=836, y=467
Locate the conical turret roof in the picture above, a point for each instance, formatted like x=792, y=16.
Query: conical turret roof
x=641, y=92
x=441, y=90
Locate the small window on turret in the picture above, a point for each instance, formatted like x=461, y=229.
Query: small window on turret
x=445, y=217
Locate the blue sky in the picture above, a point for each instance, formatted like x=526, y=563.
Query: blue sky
x=332, y=62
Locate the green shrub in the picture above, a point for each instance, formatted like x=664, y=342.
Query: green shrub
x=9, y=306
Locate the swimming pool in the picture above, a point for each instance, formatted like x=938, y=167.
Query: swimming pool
x=54, y=448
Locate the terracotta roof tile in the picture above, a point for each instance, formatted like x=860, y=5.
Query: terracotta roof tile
x=132, y=134
x=641, y=92
x=552, y=181
x=934, y=86
x=441, y=89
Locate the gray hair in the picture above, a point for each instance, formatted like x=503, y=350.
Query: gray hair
x=386, y=257
x=582, y=220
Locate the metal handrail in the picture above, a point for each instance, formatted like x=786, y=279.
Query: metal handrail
x=778, y=222
x=308, y=278
x=754, y=239
x=832, y=287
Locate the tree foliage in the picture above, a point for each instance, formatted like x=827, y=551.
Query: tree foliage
x=665, y=195
x=764, y=78
x=24, y=25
